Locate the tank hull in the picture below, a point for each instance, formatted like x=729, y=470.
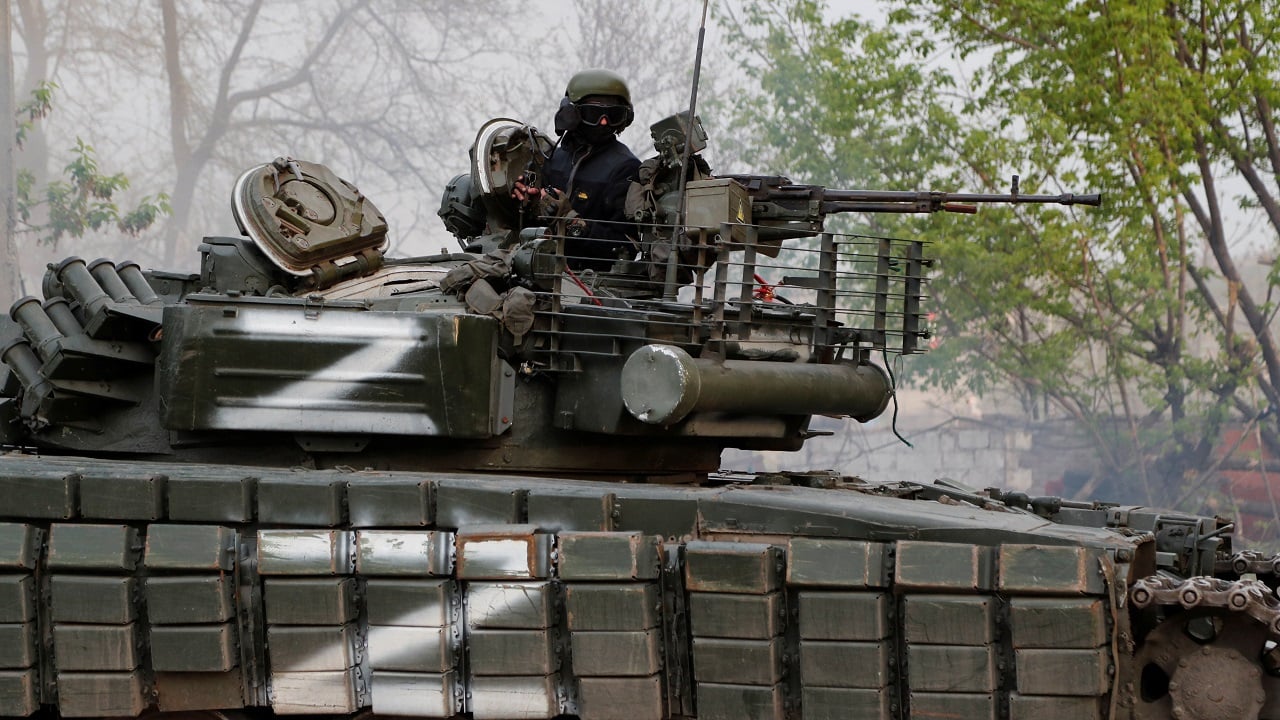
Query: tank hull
x=136, y=587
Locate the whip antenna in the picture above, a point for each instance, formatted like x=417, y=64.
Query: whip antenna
x=688, y=140
x=693, y=106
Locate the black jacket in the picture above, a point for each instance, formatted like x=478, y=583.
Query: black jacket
x=598, y=188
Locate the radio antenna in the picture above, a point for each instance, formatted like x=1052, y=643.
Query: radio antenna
x=693, y=108
x=688, y=142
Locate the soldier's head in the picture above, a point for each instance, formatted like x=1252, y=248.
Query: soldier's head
x=596, y=104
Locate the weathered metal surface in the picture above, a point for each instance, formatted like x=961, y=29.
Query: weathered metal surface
x=311, y=601
x=194, y=648
x=189, y=599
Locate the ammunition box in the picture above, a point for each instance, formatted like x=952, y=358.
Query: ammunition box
x=411, y=649
x=1063, y=672
x=104, y=694
x=616, y=654
x=1036, y=707
x=566, y=511
x=416, y=694
x=515, y=698
x=181, y=692
x=87, y=599
x=671, y=518
x=18, y=646
x=970, y=706
x=950, y=619
x=747, y=617
x=93, y=547
x=943, y=566
x=732, y=567
x=123, y=498
x=718, y=701
x=50, y=496
x=638, y=698
x=213, y=500
x=708, y=203
x=310, y=601
x=96, y=647
x=189, y=599
x=822, y=703
x=512, y=652
x=503, y=552
x=190, y=547
x=18, y=697
x=18, y=546
x=740, y=662
x=306, y=552
x=836, y=563
x=389, y=502
x=17, y=598
x=302, y=500
x=304, y=693
x=611, y=606
x=193, y=648
x=310, y=649
x=1058, y=622
x=511, y=605
x=824, y=663
x=844, y=616
x=952, y=668
x=1052, y=570
x=608, y=556
x=414, y=553
x=459, y=504
x=419, y=603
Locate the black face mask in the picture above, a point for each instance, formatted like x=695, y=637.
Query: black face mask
x=595, y=134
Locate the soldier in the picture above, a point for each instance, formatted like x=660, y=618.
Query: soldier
x=591, y=168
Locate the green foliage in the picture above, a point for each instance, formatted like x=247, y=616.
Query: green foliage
x=36, y=108
x=86, y=200
x=1102, y=314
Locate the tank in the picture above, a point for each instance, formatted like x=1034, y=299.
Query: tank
x=312, y=480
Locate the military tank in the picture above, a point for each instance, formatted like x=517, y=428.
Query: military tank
x=312, y=480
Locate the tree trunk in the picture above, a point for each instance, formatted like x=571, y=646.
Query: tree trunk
x=9, y=282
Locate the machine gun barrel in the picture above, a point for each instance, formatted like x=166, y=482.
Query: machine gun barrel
x=774, y=197
x=927, y=201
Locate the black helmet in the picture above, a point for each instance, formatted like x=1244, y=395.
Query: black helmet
x=461, y=211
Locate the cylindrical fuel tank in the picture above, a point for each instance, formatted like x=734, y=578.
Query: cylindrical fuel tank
x=662, y=384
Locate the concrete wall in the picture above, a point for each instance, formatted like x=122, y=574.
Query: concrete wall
x=956, y=441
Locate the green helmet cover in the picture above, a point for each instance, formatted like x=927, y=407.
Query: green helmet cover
x=597, y=82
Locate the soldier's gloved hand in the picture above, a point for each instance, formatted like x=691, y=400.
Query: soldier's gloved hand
x=524, y=192
x=554, y=203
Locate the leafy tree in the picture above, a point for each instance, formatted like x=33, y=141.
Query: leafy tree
x=85, y=201
x=1134, y=319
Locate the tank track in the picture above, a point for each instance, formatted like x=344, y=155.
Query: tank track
x=1248, y=561
x=1246, y=597
x=1208, y=656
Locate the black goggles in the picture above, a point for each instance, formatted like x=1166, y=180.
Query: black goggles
x=610, y=115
